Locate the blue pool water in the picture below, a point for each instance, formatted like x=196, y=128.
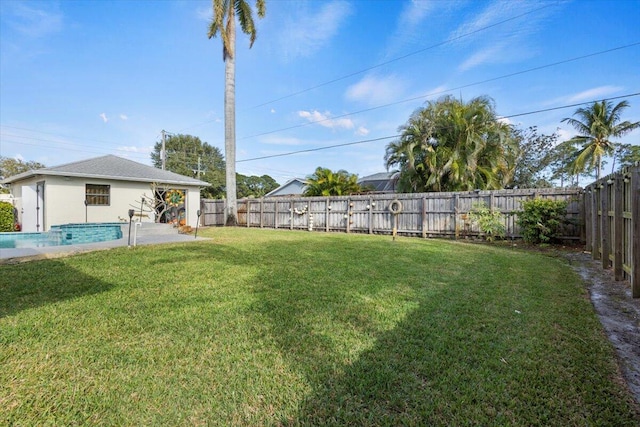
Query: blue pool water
x=61, y=235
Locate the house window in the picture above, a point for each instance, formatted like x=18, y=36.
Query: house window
x=97, y=195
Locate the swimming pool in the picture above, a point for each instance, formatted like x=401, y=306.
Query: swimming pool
x=61, y=235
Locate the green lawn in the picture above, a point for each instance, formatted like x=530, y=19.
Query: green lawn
x=263, y=327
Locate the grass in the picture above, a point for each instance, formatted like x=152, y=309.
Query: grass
x=260, y=327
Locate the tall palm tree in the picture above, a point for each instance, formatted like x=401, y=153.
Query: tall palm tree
x=597, y=123
x=224, y=23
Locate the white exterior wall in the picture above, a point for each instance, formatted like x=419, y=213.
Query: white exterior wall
x=192, y=204
x=64, y=201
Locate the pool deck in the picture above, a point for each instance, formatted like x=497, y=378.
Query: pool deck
x=147, y=234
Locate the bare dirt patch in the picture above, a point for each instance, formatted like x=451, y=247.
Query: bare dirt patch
x=619, y=314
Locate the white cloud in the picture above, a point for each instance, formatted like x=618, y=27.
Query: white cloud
x=310, y=31
x=490, y=54
x=205, y=13
x=437, y=91
x=362, y=131
x=508, y=38
x=376, y=90
x=408, y=33
x=134, y=149
x=596, y=92
x=277, y=140
x=323, y=119
x=104, y=117
x=32, y=21
x=124, y=117
x=592, y=94
x=414, y=13
x=273, y=111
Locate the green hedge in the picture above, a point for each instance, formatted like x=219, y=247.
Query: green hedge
x=6, y=217
x=541, y=219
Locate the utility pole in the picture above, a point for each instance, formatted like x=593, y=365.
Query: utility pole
x=197, y=171
x=163, y=153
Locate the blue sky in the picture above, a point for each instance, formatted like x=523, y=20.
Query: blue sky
x=80, y=79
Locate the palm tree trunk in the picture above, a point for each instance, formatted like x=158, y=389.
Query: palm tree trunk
x=230, y=126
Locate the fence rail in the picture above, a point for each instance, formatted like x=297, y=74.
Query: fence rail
x=420, y=214
x=612, y=218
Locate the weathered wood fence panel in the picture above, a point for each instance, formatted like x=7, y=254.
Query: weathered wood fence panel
x=612, y=218
x=422, y=214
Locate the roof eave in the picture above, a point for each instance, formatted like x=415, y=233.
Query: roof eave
x=29, y=174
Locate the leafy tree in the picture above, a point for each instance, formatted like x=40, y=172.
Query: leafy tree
x=562, y=164
x=450, y=145
x=597, y=124
x=182, y=155
x=325, y=182
x=255, y=186
x=534, y=158
x=628, y=155
x=10, y=167
x=224, y=23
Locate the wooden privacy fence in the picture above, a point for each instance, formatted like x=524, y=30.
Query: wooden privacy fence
x=418, y=214
x=612, y=218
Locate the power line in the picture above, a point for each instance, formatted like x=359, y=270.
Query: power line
x=58, y=142
x=568, y=106
x=56, y=135
x=355, y=73
x=185, y=154
x=396, y=136
x=316, y=149
x=529, y=70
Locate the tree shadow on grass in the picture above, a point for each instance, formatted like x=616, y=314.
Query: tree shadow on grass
x=38, y=283
x=449, y=360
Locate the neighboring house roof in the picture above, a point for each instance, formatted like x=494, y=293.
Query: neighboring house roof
x=113, y=168
x=384, y=182
x=293, y=187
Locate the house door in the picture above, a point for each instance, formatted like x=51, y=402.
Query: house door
x=33, y=207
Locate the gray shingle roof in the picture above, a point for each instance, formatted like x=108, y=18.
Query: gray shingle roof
x=384, y=182
x=114, y=168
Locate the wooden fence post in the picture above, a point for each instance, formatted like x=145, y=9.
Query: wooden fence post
x=370, y=215
x=581, y=217
x=291, y=214
x=424, y=217
x=326, y=214
x=618, y=226
x=348, y=215
x=604, y=224
x=248, y=213
x=261, y=213
x=635, y=235
x=275, y=215
x=595, y=235
x=586, y=205
x=456, y=225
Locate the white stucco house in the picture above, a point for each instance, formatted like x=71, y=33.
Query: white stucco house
x=101, y=189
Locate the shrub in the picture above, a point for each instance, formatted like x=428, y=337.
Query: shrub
x=490, y=222
x=6, y=217
x=541, y=219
